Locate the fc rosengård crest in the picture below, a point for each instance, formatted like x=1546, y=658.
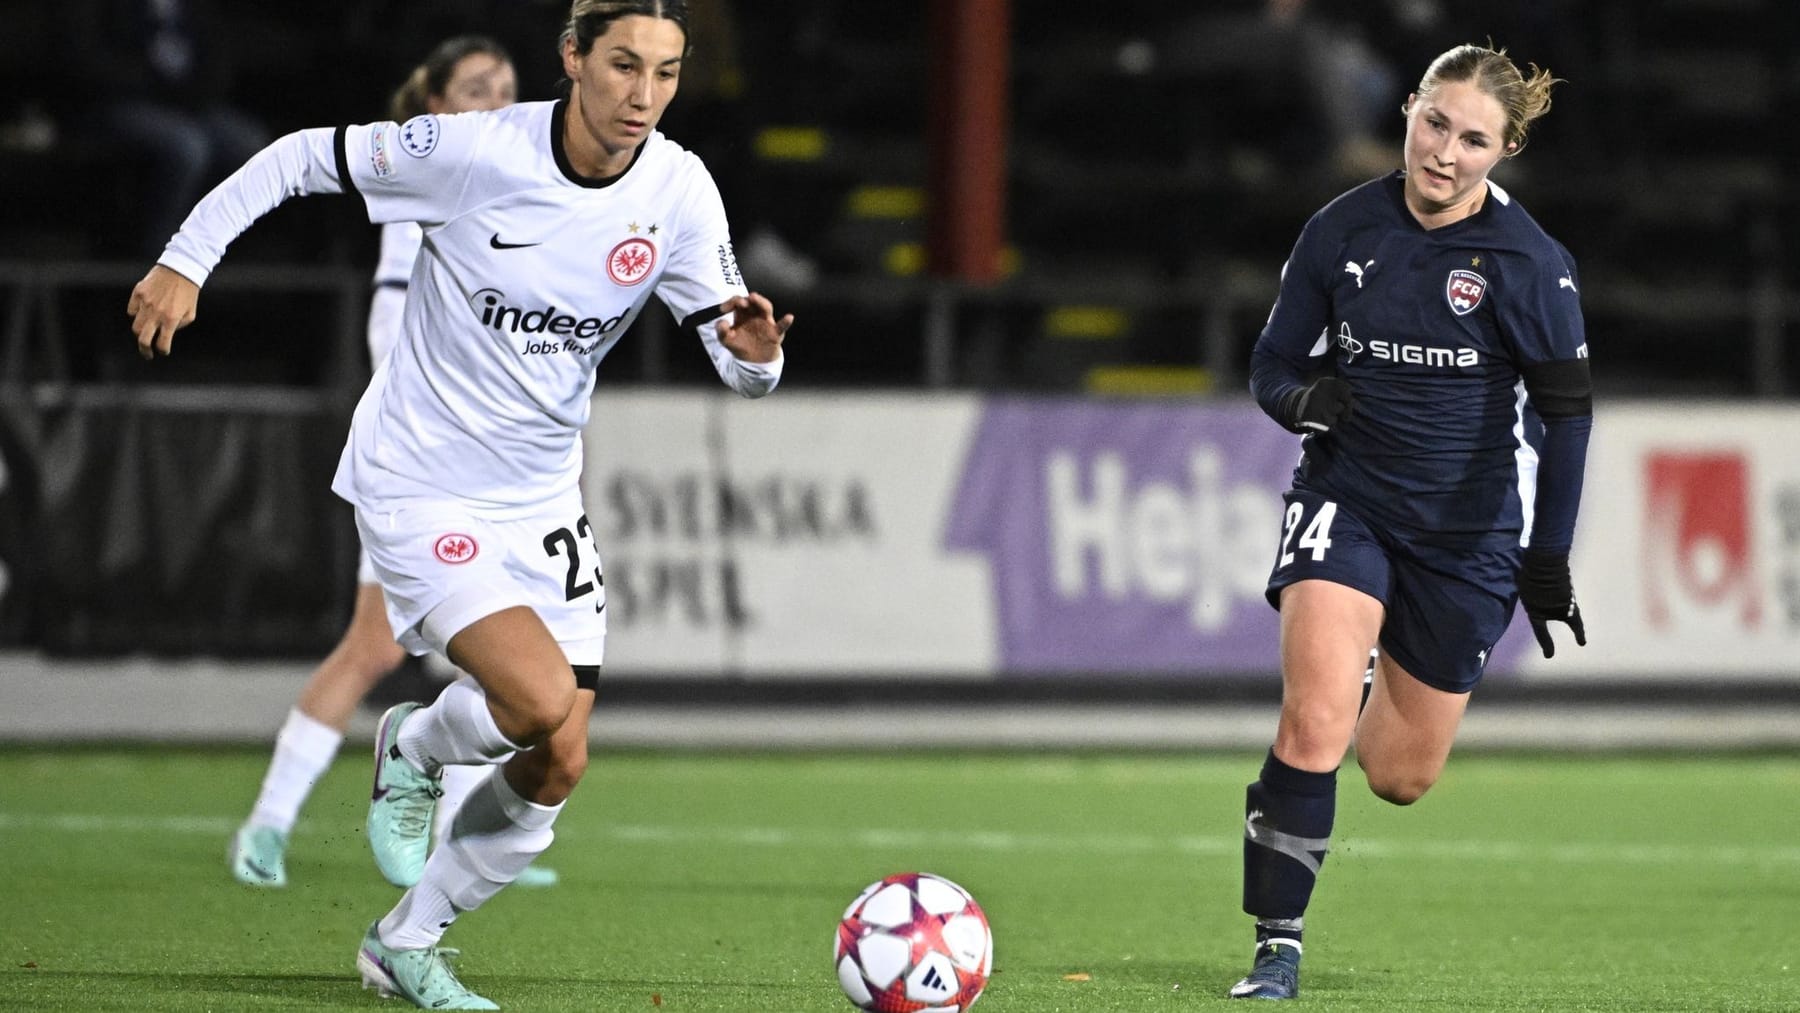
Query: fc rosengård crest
x=1464, y=290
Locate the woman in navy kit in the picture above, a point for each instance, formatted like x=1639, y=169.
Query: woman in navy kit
x=1428, y=343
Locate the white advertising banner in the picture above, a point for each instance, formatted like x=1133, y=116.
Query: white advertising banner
x=951, y=536
x=1687, y=556
x=793, y=535
x=855, y=536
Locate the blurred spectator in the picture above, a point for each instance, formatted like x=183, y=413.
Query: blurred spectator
x=153, y=79
x=715, y=121
x=1352, y=92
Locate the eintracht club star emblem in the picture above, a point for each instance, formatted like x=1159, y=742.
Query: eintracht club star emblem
x=455, y=548
x=1464, y=289
x=630, y=261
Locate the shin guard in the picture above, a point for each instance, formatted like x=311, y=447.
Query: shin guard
x=1287, y=825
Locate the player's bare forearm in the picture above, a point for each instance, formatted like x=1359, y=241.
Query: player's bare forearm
x=754, y=333
x=161, y=304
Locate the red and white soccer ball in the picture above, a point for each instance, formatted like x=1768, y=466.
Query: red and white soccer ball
x=914, y=943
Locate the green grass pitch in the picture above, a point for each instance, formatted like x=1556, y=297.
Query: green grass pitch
x=714, y=882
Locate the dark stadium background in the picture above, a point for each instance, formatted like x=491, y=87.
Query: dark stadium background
x=1147, y=195
x=1174, y=183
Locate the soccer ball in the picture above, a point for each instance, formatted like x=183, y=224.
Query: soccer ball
x=914, y=943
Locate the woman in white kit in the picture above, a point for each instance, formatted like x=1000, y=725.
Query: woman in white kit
x=547, y=227
x=463, y=74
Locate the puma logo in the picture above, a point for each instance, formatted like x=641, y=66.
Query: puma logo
x=1351, y=268
x=1568, y=283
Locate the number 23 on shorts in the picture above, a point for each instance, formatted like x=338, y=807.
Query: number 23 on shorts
x=566, y=543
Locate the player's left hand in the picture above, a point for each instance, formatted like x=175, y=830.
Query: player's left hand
x=1548, y=595
x=753, y=334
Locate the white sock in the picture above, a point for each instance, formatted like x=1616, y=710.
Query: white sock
x=419, y=920
x=459, y=780
x=495, y=836
x=456, y=728
x=304, y=749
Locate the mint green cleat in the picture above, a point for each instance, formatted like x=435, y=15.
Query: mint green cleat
x=401, y=805
x=257, y=856
x=536, y=877
x=422, y=977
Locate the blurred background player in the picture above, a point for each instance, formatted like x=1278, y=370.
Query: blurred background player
x=464, y=457
x=462, y=74
x=1444, y=451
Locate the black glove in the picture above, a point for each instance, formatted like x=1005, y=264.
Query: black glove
x=1548, y=595
x=1320, y=405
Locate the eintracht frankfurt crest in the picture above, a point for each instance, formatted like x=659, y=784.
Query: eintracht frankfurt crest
x=630, y=261
x=455, y=548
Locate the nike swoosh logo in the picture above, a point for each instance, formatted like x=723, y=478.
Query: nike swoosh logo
x=497, y=244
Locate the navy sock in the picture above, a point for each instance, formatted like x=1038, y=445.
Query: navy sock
x=1287, y=821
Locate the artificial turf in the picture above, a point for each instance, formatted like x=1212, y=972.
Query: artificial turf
x=714, y=882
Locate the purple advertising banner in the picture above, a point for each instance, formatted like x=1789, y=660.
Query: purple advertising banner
x=1130, y=538
x=1127, y=537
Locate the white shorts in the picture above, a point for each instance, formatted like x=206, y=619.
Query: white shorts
x=442, y=566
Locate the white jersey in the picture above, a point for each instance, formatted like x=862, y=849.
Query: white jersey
x=393, y=271
x=527, y=277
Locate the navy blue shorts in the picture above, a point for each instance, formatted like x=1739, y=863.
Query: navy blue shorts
x=1445, y=608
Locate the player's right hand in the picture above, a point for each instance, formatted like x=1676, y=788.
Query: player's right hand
x=1325, y=402
x=163, y=303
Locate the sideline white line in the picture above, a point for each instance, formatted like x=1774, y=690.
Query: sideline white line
x=223, y=701
x=1508, y=852
x=81, y=823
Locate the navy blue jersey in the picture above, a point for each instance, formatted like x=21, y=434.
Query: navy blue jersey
x=1441, y=334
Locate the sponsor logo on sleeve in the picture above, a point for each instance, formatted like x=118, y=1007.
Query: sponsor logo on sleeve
x=419, y=135
x=728, y=265
x=379, y=162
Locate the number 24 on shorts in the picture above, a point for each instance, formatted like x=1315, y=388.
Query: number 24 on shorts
x=1316, y=538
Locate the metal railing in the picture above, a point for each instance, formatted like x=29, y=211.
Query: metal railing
x=33, y=336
